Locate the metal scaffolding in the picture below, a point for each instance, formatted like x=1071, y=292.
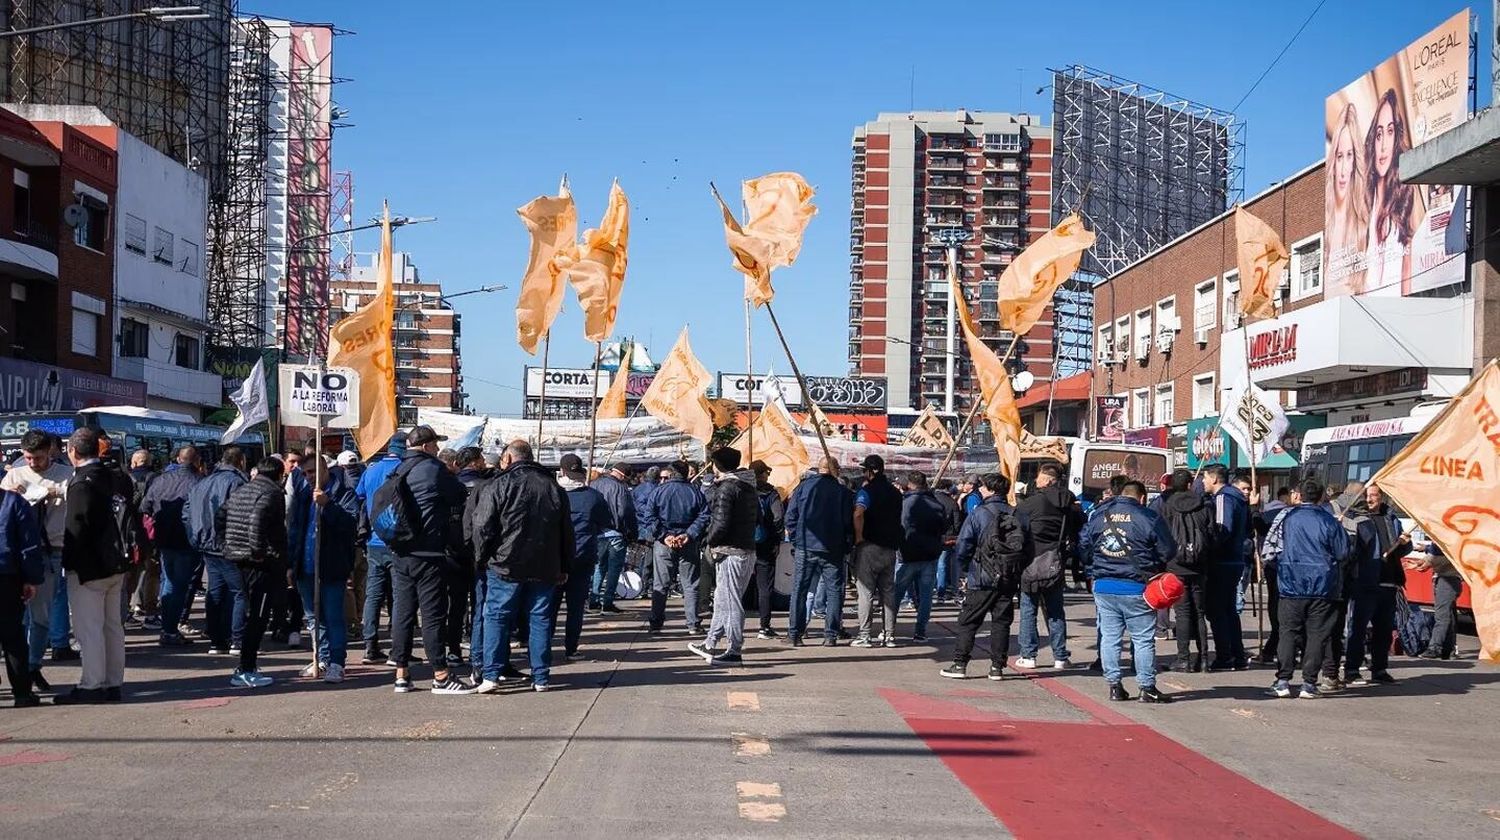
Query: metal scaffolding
x=342, y=267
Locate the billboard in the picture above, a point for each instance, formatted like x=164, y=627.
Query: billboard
x=567, y=383
x=737, y=387
x=1109, y=417
x=1380, y=235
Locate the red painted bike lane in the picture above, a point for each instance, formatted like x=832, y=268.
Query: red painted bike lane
x=1107, y=777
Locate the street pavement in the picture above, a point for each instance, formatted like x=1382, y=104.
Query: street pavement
x=642, y=739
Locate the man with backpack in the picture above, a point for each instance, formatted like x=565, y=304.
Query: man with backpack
x=163, y=504
x=993, y=547
x=1191, y=522
x=224, y=602
x=924, y=521
x=1054, y=518
x=770, y=524
x=378, y=555
x=1309, y=548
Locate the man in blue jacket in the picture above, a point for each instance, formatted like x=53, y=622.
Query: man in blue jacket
x=1379, y=547
x=993, y=548
x=614, y=485
x=924, y=521
x=21, y=572
x=1125, y=544
x=163, y=503
x=378, y=555
x=224, y=601
x=1225, y=567
x=332, y=509
x=820, y=528
x=674, y=519
x=1308, y=548
x=589, y=513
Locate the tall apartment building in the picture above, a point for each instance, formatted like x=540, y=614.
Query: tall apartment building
x=426, y=337
x=914, y=174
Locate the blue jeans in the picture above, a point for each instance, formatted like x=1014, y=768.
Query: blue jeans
x=814, y=570
x=504, y=600
x=919, y=578
x=1372, y=610
x=576, y=593
x=47, y=614
x=377, y=590
x=177, y=567
x=947, y=575
x=224, y=602
x=607, y=571
x=333, y=629
x=476, y=628
x=1051, y=602
x=1118, y=613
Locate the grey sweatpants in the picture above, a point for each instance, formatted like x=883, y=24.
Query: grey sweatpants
x=731, y=575
x=875, y=574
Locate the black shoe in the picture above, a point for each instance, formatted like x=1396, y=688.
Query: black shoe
x=113, y=694
x=40, y=682
x=1151, y=695
x=510, y=674
x=956, y=671
x=591, y=606
x=1096, y=665
x=794, y=641
x=1383, y=677
x=79, y=696
x=611, y=609
x=1429, y=654
x=1242, y=665
x=844, y=634
x=830, y=641
x=768, y=633
x=1195, y=663
x=64, y=654
x=728, y=657
x=996, y=673
x=27, y=701
x=1217, y=666
x=373, y=656
x=1118, y=693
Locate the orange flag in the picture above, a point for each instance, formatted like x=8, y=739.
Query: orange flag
x=995, y=389
x=776, y=443
x=598, y=272
x=553, y=222
x=778, y=207
x=612, y=406
x=676, y=394
x=1262, y=258
x=362, y=341
x=1448, y=479
x=1028, y=284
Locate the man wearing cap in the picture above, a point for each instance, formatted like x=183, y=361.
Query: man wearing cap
x=731, y=547
x=675, y=518
x=769, y=527
x=422, y=569
x=877, y=541
x=379, y=556
x=820, y=528
x=590, y=516
x=614, y=485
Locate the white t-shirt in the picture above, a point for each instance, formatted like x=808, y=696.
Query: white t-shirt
x=50, y=485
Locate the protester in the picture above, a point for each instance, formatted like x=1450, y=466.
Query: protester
x=947, y=570
x=287, y=616
x=1308, y=547
x=96, y=553
x=1054, y=518
x=22, y=570
x=1447, y=585
x=378, y=555
x=730, y=537
x=820, y=529
x=224, y=602
x=674, y=518
x=332, y=527
x=1192, y=523
x=1125, y=544
x=614, y=485
x=471, y=473
x=993, y=548
x=523, y=533
x=252, y=520
x=474, y=480
x=924, y=521
x=1379, y=547
x=1225, y=568
x=970, y=494
x=877, y=542
x=143, y=579
x=1262, y=524
x=41, y=480
x=770, y=526
x=590, y=517
x=163, y=505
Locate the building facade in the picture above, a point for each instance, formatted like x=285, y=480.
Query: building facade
x=429, y=369
x=987, y=174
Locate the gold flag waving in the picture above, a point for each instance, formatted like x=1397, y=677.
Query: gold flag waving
x=928, y=431
x=995, y=389
x=362, y=341
x=1028, y=284
x=676, y=394
x=776, y=443
x=612, y=406
x=598, y=273
x=553, y=222
x=778, y=207
x=1448, y=479
x=1262, y=258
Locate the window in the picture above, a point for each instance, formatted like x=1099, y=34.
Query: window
x=1122, y=335
x=1142, y=331
x=1106, y=345
x=186, y=354
x=134, y=338
x=1206, y=305
x=87, y=313
x=1205, y=396
x=135, y=234
x=1307, y=268
x=1166, y=315
x=188, y=264
x=92, y=231
x=161, y=246
x=1141, y=409
x=1232, y=299
x=1164, y=409
x=21, y=202
x=1008, y=142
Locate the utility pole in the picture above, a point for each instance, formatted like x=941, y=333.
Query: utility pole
x=951, y=238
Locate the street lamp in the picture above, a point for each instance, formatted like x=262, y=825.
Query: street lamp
x=951, y=238
x=161, y=14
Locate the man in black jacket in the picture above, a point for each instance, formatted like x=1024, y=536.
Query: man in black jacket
x=224, y=602
x=164, y=503
x=614, y=485
x=252, y=520
x=993, y=547
x=1191, y=521
x=770, y=524
x=474, y=481
x=424, y=570
x=877, y=542
x=924, y=521
x=731, y=548
x=523, y=533
x=947, y=570
x=1054, y=517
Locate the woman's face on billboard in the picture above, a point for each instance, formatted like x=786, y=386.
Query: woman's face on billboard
x=1343, y=164
x=1385, y=139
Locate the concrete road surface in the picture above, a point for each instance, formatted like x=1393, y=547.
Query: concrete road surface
x=644, y=740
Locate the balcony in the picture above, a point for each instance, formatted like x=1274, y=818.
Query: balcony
x=30, y=253
x=170, y=382
x=938, y=182
x=1010, y=165
x=946, y=163
x=945, y=146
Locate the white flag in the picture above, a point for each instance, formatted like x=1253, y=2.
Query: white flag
x=773, y=393
x=1254, y=420
x=251, y=402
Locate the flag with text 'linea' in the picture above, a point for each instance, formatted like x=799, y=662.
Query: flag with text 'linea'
x=676, y=396
x=598, y=272
x=553, y=223
x=1262, y=259
x=362, y=341
x=1448, y=480
x=996, y=391
x=1027, y=285
x=775, y=442
x=778, y=208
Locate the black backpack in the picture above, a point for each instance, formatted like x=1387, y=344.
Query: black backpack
x=1001, y=554
x=393, y=510
x=1194, y=543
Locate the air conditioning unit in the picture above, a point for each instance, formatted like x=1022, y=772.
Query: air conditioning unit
x=1106, y=355
x=1164, y=337
x=1142, y=348
x=1200, y=336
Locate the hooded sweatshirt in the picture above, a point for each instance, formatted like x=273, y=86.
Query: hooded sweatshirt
x=1191, y=521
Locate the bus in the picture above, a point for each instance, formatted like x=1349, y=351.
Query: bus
x=1355, y=452
x=1091, y=464
x=130, y=428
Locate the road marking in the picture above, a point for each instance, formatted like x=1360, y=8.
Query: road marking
x=1175, y=686
x=749, y=745
x=744, y=701
x=760, y=801
x=205, y=703
x=758, y=790
x=30, y=757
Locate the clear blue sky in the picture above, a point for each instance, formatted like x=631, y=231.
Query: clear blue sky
x=466, y=110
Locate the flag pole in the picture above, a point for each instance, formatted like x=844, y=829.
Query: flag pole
x=633, y=412
x=749, y=391
x=541, y=400
x=797, y=372
x=588, y=475
x=973, y=411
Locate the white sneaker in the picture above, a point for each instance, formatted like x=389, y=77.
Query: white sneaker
x=294, y=639
x=313, y=669
x=249, y=679
x=541, y=686
x=487, y=687
x=1025, y=662
x=1061, y=665
x=334, y=674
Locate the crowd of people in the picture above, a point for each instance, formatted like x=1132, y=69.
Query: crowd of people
x=489, y=550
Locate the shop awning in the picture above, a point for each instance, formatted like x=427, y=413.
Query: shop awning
x=1073, y=388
